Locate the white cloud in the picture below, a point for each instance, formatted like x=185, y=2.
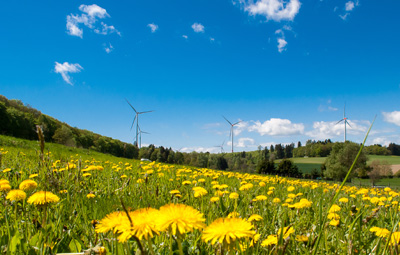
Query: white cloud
x=201, y=149
x=329, y=129
x=212, y=39
x=240, y=127
x=277, y=127
x=66, y=68
x=108, y=48
x=245, y=142
x=276, y=10
x=349, y=6
x=392, y=117
x=153, y=27
x=344, y=17
x=185, y=36
x=198, y=28
x=281, y=44
x=89, y=17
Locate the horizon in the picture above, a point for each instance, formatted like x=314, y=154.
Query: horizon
x=285, y=72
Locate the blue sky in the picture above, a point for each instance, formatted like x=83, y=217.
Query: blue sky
x=284, y=68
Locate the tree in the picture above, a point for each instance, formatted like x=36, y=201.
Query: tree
x=287, y=168
x=221, y=163
x=379, y=169
x=266, y=167
x=341, y=158
x=64, y=135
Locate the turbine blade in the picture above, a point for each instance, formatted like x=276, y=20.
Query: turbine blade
x=144, y=112
x=227, y=120
x=339, y=121
x=237, y=122
x=133, y=122
x=344, y=110
x=131, y=105
x=348, y=124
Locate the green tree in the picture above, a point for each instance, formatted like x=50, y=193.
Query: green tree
x=341, y=158
x=287, y=168
x=266, y=167
x=64, y=135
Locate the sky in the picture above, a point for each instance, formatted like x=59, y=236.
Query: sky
x=285, y=69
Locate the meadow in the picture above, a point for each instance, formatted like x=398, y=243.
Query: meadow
x=68, y=200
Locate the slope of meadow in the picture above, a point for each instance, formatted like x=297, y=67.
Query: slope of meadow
x=107, y=205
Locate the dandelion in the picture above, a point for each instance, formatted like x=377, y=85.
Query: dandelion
x=290, y=189
x=143, y=225
x=111, y=222
x=343, y=200
x=28, y=185
x=175, y=191
x=395, y=239
x=334, y=222
x=199, y=191
x=43, y=198
x=5, y=187
x=271, y=240
x=3, y=181
x=334, y=208
x=276, y=200
x=214, y=199
x=301, y=238
x=6, y=170
x=179, y=219
x=255, y=217
x=234, y=195
x=261, y=198
x=90, y=195
x=16, y=195
x=33, y=176
x=228, y=230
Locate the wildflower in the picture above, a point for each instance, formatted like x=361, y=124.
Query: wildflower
x=179, y=219
x=111, y=222
x=6, y=170
x=233, y=215
x=343, y=200
x=246, y=186
x=227, y=230
x=395, y=239
x=16, y=195
x=5, y=187
x=143, y=225
x=276, y=200
x=234, y=195
x=175, y=191
x=86, y=174
x=261, y=198
x=261, y=184
x=334, y=208
x=271, y=240
x=254, y=217
x=199, y=191
x=33, y=176
x=301, y=238
x=90, y=195
x=290, y=189
x=214, y=199
x=380, y=232
x=124, y=176
x=28, y=185
x=3, y=181
x=43, y=197
x=334, y=222
x=334, y=216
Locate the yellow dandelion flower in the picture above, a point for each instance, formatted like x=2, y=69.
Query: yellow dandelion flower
x=86, y=174
x=301, y=238
x=90, y=195
x=28, y=185
x=333, y=216
x=227, y=230
x=261, y=184
x=33, y=176
x=233, y=215
x=179, y=218
x=234, y=195
x=6, y=170
x=111, y=222
x=214, y=199
x=395, y=239
x=143, y=225
x=16, y=195
x=271, y=240
x=290, y=189
x=5, y=187
x=175, y=191
x=276, y=200
x=344, y=200
x=43, y=197
x=246, y=186
x=334, y=222
x=255, y=217
x=199, y=191
x=261, y=198
x=124, y=176
x=334, y=208
x=3, y=181
x=287, y=231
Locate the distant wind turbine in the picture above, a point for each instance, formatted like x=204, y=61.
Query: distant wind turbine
x=221, y=146
x=232, y=125
x=137, y=120
x=345, y=122
x=140, y=137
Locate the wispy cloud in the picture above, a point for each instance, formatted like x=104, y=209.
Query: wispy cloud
x=276, y=10
x=392, y=117
x=185, y=36
x=201, y=149
x=66, y=68
x=108, y=48
x=277, y=127
x=89, y=17
x=348, y=7
x=153, y=27
x=281, y=44
x=198, y=28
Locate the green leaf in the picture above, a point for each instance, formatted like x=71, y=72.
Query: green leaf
x=75, y=246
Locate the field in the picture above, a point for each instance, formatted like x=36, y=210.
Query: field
x=72, y=201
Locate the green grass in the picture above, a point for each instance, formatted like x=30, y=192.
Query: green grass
x=393, y=160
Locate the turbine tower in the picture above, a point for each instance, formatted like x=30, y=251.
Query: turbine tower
x=232, y=125
x=136, y=119
x=344, y=121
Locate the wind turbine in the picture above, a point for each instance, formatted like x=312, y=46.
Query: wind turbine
x=232, y=125
x=221, y=146
x=140, y=137
x=345, y=122
x=137, y=120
